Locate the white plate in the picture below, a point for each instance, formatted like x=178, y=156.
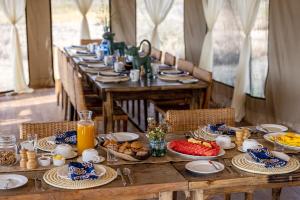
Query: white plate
x=10, y=181
x=63, y=171
x=174, y=73
x=74, y=154
x=268, y=138
x=232, y=145
x=79, y=159
x=189, y=81
x=277, y=154
x=240, y=148
x=221, y=153
x=272, y=128
x=123, y=136
x=204, y=167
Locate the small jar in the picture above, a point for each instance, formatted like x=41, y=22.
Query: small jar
x=8, y=150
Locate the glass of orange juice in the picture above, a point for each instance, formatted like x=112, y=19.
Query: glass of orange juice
x=85, y=131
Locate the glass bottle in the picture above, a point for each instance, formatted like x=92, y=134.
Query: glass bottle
x=85, y=131
x=8, y=150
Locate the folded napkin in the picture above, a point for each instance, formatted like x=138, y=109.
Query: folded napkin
x=82, y=171
x=263, y=156
x=68, y=137
x=220, y=128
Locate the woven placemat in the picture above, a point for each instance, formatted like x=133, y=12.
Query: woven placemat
x=241, y=163
x=104, y=79
x=51, y=178
x=44, y=145
x=175, y=78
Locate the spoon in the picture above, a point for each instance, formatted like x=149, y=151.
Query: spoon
x=127, y=172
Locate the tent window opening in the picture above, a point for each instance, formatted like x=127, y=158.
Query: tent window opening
x=171, y=30
x=67, y=20
x=228, y=39
x=6, y=69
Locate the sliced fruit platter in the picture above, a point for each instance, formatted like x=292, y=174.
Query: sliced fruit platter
x=289, y=140
x=131, y=151
x=195, y=149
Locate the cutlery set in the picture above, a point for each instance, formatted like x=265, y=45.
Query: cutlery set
x=126, y=172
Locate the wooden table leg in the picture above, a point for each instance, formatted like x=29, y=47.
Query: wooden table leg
x=249, y=196
x=276, y=193
x=195, y=101
x=146, y=113
x=108, y=114
x=198, y=195
x=166, y=196
x=227, y=196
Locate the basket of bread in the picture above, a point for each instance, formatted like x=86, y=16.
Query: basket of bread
x=131, y=151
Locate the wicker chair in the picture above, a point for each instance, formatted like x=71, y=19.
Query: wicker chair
x=118, y=115
x=188, y=120
x=185, y=65
x=89, y=41
x=169, y=59
x=45, y=129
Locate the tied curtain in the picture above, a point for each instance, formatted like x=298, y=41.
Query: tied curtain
x=14, y=10
x=84, y=6
x=247, y=12
x=158, y=11
x=211, y=10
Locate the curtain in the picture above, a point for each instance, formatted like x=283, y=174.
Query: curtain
x=211, y=10
x=247, y=12
x=123, y=20
x=84, y=6
x=14, y=10
x=158, y=11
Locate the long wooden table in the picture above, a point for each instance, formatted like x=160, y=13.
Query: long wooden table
x=145, y=89
x=156, y=177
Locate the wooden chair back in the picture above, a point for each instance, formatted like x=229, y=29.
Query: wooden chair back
x=206, y=76
x=156, y=54
x=169, y=59
x=189, y=120
x=70, y=84
x=45, y=129
x=185, y=65
x=79, y=94
x=90, y=41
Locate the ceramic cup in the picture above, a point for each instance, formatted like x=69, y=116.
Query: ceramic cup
x=90, y=155
x=44, y=161
x=224, y=141
x=135, y=75
x=251, y=144
x=108, y=60
x=64, y=149
x=119, y=67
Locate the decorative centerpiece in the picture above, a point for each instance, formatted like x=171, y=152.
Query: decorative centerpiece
x=141, y=62
x=156, y=134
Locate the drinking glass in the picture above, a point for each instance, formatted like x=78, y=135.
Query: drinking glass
x=277, y=145
x=110, y=157
x=32, y=141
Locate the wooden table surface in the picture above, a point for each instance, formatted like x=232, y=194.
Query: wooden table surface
x=157, y=177
x=144, y=89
